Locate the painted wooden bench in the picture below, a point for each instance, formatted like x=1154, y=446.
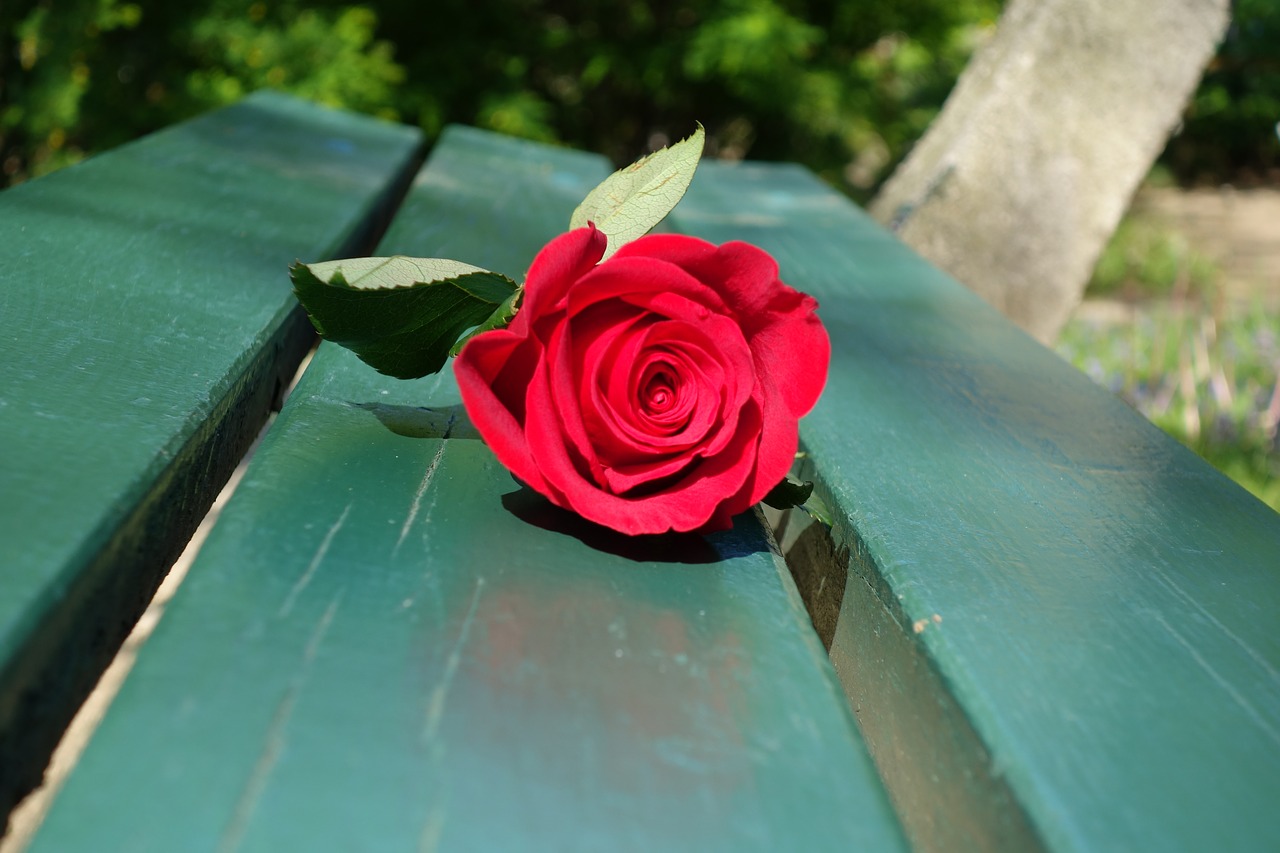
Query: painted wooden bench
x=384, y=645
x=146, y=336
x=1055, y=626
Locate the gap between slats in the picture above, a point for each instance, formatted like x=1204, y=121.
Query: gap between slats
x=19, y=826
x=933, y=763
x=26, y=818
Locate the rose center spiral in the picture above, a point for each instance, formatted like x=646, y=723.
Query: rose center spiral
x=659, y=390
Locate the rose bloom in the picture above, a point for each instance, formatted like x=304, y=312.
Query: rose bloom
x=656, y=391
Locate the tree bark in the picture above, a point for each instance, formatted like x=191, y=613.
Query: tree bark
x=1020, y=181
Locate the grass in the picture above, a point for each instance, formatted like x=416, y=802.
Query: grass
x=1203, y=372
x=1145, y=258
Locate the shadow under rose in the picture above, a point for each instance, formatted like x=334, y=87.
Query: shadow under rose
x=690, y=548
x=452, y=422
x=423, y=421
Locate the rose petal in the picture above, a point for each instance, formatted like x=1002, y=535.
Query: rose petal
x=779, y=440
x=621, y=479
x=609, y=348
x=796, y=351
x=563, y=382
x=594, y=346
x=492, y=371
x=689, y=504
x=679, y=249
x=649, y=393
x=697, y=381
x=778, y=321
x=715, y=377
x=640, y=281
x=559, y=265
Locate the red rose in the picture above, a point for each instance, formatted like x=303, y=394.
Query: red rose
x=656, y=391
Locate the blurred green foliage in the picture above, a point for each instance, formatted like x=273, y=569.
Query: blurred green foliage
x=842, y=87
x=1206, y=378
x=1231, y=128
x=1198, y=365
x=1146, y=258
x=83, y=75
x=328, y=57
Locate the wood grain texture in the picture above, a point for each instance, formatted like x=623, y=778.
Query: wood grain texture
x=388, y=644
x=1059, y=624
x=148, y=327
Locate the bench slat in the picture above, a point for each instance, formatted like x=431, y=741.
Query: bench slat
x=148, y=328
x=386, y=642
x=1058, y=624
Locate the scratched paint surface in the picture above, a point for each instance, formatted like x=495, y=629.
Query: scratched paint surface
x=387, y=644
x=146, y=325
x=133, y=287
x=1098, y=603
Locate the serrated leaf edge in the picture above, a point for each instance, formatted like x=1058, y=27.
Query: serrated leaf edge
x=581, y=217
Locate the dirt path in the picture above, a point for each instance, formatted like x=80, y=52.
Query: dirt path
x=1239, y=229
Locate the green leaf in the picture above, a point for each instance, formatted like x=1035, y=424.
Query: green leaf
x=400, y=315
x=790, y=492
x=799, y=494
x=499, y=319
x=385, y=273
x=633, y=200
x=817, y=509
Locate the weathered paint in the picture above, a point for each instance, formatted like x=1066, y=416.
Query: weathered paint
x=387, y=644
x=1059, y=626
x=148, y=329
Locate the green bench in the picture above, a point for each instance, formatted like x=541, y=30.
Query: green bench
x=1051, y=626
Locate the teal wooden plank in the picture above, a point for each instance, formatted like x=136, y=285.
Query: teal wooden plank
x=148, y=328
x=1058, y=624
x=387, y=644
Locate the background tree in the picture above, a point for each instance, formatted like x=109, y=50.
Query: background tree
x=1018, y=184
x=844, y=88
x=1231, y=132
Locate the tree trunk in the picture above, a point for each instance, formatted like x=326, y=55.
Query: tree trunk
x=1018, y=184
